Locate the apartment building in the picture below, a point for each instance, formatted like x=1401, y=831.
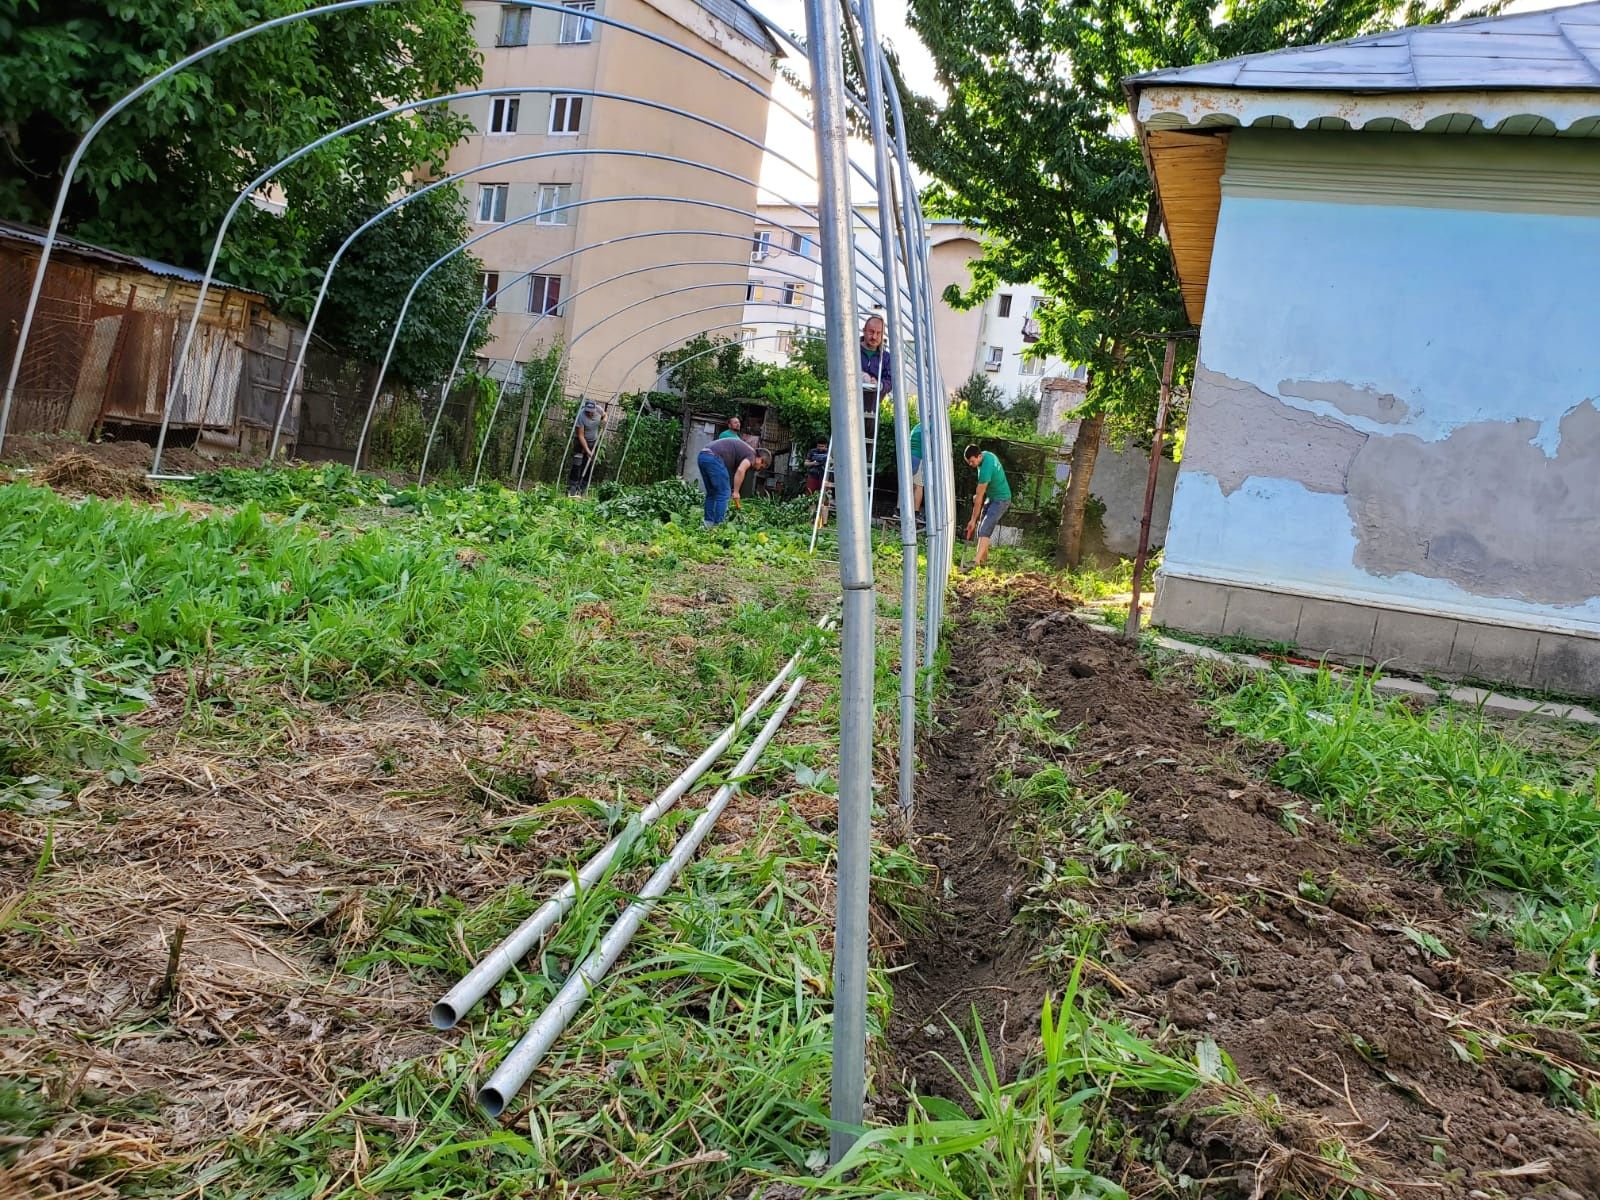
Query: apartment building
x=568, y=262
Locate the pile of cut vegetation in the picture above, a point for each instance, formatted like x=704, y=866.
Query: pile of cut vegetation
x=85, y=475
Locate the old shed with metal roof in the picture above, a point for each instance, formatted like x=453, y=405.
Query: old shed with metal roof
x=1391, y=245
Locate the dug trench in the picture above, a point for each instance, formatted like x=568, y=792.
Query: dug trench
x=1232, y=916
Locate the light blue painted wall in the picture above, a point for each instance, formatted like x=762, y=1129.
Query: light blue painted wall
x=1467, y=315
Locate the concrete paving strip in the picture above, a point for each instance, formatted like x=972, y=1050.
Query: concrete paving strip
x=1491, y=702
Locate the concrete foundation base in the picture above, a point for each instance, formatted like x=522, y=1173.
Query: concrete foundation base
x=1418, y=643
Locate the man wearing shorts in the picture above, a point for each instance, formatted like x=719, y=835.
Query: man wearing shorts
x=991, y=501
x=723, y=465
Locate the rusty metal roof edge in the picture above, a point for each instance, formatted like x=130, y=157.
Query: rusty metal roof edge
x=1549, y=22
x=16, y=231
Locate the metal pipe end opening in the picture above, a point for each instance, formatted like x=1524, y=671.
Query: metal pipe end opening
x=491, y=1101
x=444, y=1015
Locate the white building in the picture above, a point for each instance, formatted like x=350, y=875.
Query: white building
x=1003, y=353
x=783, y=300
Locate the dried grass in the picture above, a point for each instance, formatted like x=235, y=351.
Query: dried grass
x=86, y=475
x=285, y=860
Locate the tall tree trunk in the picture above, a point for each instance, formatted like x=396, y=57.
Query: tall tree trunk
x=1069, y=547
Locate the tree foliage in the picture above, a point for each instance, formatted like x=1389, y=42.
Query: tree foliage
x=1033, y=146
x=981, y=396
x=159, y=178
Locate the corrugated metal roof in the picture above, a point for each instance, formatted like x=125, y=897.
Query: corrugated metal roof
x=1554, y=50
x=741, y=22
x=13, y=231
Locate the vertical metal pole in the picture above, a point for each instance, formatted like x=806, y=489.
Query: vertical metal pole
x=870, y=54
x=1130, y=630
x=824, y=23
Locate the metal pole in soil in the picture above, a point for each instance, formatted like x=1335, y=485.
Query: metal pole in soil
x=900, y=407
x=1130, y=630
x=824, y=22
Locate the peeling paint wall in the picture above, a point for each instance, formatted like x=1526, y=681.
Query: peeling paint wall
x=1399, y=397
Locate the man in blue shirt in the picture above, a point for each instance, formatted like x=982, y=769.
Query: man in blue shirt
x=877, y=367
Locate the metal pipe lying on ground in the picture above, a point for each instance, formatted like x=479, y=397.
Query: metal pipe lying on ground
x=458, y=1001
x=514, y=1070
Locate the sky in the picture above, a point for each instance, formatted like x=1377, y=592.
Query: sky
x=786, y=135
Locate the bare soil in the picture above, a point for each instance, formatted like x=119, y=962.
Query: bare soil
x=284, y=859
x=1290, y=948
x=133, y=457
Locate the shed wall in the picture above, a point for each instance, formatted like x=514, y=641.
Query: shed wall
x=1397, y=405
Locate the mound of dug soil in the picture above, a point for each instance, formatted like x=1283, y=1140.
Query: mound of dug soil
x=86, y=475
x=1306, y=957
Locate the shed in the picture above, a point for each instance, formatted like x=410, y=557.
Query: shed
x=107, y=332
x=1392, y=245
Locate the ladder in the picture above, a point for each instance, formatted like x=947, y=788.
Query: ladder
x=869, y=418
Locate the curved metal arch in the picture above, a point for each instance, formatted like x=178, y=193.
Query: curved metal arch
x=416, y=283
x=694, y=312
x=405, y=306
x=663, y=349
x=566, y=350
x=141, y=89
x=444, y=393
x=384, y=114
x=760, y=337
x=456, y=177
x=495, y=411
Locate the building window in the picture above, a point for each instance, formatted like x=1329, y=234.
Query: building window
x=566, y=114
x=800, y=244
x=492, y=203
x=553, y=199
x=1005, y=304
x=752, y=293
x=1031, y=365
x=503, y=111
x=992, y=362
x=761, y=244
x=786, y=342
x=1037, y=303
x=544, y=293
x=794, y=293
x=576, y=27
x=491, y=288
x=514, y=26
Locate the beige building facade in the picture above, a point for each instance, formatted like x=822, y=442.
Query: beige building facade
x=566, y=261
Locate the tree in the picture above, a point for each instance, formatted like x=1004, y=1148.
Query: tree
x=982, y=398
x=1033, y=147
x=810, y=353
x=157, y=181
x=378, y=270
x=1024, y=407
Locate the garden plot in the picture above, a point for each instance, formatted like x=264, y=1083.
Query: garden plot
x=345, y=753
x=1351, y=1025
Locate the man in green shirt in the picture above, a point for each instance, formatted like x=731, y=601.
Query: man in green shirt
x=916, y=470
x=991, y=501
x=731, y=431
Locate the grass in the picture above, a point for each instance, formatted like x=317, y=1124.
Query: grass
x=1040, y=1135
x=222, y=638
x=490, y=595
x=1513, y=828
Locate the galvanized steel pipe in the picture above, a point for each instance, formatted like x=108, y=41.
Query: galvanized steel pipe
x=459, y=1000
x=514, y=1069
